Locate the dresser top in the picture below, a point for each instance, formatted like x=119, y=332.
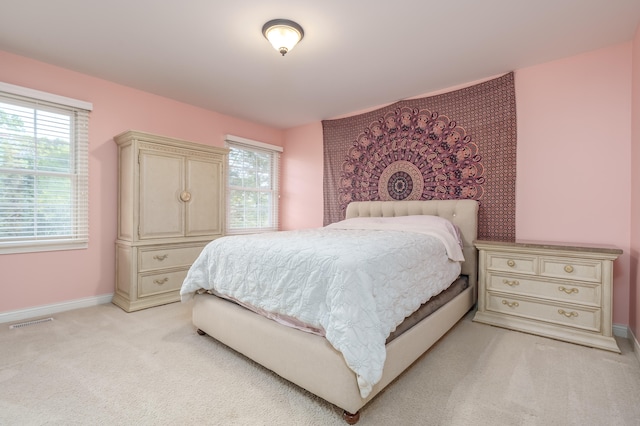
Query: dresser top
x=546, y=245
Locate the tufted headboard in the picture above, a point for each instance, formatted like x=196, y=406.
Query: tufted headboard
x=462, y=213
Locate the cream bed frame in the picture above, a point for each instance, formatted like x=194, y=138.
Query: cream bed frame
x=309, y=360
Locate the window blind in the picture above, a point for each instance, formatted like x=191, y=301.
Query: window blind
x=253, y=190
x=44, y=176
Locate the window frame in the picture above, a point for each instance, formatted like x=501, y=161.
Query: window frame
x=274, y=152
x=77, y=176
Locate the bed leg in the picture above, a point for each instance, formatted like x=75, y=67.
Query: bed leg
x=352, y=419
x=200, y=332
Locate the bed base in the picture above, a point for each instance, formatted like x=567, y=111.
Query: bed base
x=308, y=360
x=289, y=352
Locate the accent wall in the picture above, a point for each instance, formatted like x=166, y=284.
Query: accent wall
x=573, y=175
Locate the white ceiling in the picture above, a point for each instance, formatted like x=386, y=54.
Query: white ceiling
x=356, y=54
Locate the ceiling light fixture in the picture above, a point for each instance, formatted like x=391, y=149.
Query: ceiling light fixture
x=283, y=34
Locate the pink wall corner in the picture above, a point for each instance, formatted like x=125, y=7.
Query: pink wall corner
x=634, y=298
x=36, y=279
x=574, y=173
x=302, y=199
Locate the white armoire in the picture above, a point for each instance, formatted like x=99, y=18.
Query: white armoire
x=171, y=203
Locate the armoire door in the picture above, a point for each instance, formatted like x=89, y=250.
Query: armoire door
x=161, y=208
x=203, y=213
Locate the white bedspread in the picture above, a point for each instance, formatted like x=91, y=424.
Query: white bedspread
x=355, y=284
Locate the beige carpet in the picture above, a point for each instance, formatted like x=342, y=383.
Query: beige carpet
x=102, y=366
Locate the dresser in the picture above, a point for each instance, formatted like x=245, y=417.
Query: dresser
x=171, y=203
x=556, y=291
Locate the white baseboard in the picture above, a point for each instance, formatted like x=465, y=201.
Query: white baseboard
x=635, y=344
x=626, y=332
x=40, y=311
x=621, y=330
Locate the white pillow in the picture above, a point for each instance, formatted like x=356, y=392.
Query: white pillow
x=436, y=226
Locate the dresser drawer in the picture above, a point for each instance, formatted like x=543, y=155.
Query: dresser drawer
x=515, y=262
x=170, y=257
x=574, y=269
x=571, y=316
x=152, y=284
x=571, y=292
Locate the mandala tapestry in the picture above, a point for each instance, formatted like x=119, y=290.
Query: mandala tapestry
x=457, y=145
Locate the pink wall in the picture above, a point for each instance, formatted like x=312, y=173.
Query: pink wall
x=635, y=191
x=574, y=168
x=574, y=141
x=574, y=173
x=35, y=279
x=302, y=169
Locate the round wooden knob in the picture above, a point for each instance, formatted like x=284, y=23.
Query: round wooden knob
x=185, y=196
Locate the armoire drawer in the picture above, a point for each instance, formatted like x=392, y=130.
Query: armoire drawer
x=168, y=257
x=163, y=282
x=571, y=316
x=574, y=292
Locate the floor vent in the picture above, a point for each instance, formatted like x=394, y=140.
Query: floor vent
x=25, y=324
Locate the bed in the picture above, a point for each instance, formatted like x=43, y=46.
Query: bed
x=309, y=360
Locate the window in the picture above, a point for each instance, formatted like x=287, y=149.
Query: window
x=43, y=171
x=253, y=186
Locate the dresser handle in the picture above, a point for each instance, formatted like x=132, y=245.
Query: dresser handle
x=160, y=257
x=185, y=196
x=569, y=290
x=568, y=269
x=567, y=314
x=510, y=304
x=511, y=263
x=162, y=281
x=511, y=283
